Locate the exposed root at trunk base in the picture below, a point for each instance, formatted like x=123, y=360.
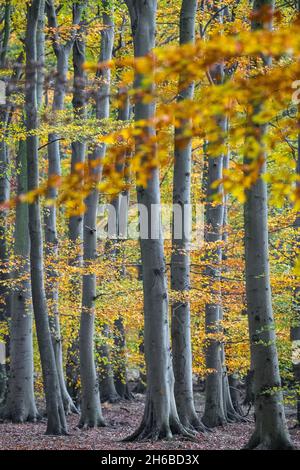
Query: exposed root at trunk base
x=56, y=429
x=231, y=418
x=128, y=396
x=235, y=417
x=140, y=388
x=269, y=442
x=154, y=429
x=19, y=416
x=162, y=432
x=69, y=406
x=61, y=432
x=194, y=424
x=86, y=423
x=214, y=422
x=111, y=398
x=125, y=394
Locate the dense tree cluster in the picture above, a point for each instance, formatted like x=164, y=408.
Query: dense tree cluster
x=149, y=218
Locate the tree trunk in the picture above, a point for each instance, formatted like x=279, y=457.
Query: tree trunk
x=214, y=413
x=121, y=205
x=91, y=414
x=160, y=418
x=295, y=328
x=76, y=221
x=232, y=408
x=140, y=386
x=4, y=196
x=4, y=273
x=235, y=393
x=120, y=370
x=40, y=44
x=62, y=52
x=106, y=375
x=270, y=425
x=55, y=412
x=20, y=405
x=180, y=261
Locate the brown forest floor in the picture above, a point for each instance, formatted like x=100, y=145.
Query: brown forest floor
x=122, y=419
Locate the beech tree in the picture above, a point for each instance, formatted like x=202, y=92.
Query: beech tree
x=180, y=263
x=62, y=51
x=270, y=425
x=56, y=422
x=194, y=105
x=121, y=205
x=160, y=416
x=4, y=191
x=76, y=221
x=295, y=328
x=20, y=404
x=91, y=408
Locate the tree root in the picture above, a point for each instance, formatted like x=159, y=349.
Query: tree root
x=112, y=398
x=152, y=432
x=140, y=388
x=20, y=416
x=194, y=424
x=268, y=442
x=235, y=417
x=214, y=423
x=90, y=423
x=69, y=406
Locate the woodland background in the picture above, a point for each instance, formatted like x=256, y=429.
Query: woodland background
x=79, y=130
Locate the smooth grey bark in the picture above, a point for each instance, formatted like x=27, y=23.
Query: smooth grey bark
x=140, y=386
x=106, y=375
x=20, y=404
x=40, y=44
x=91, y=414
x=76, y=222
x=5, y=32
x=218, y=404
x=160, y=419
x=249, y=395
x=219, y=408
x=270, y=424
x=232, y=408
x=4, y=276
x=295, y=328
x=231, y=395
x=120, y=369
x=4, y=196
x=79, y=106
x=121, y=206
x=56, y=423
x=235, y=393
x=3, y=377
x=215, y=399
x=214, y=414
x=62, y=51
x=120, y=360
x=180, y=259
